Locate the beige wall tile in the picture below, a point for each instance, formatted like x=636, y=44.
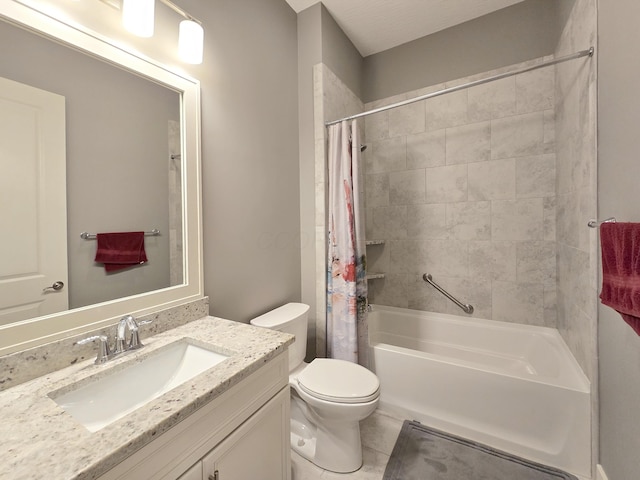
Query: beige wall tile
x=468, y=143
x=447, y=184
x=493, y=180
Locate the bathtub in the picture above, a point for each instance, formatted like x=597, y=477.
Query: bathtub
x=514, y=387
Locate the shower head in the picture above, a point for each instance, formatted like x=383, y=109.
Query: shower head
x=363, y=147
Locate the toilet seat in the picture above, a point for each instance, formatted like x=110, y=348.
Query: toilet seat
x=339, y=381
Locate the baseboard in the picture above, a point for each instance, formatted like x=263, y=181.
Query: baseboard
x=600, y=475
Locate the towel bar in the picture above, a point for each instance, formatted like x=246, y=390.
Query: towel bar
x=90, y=236
x=597, y=223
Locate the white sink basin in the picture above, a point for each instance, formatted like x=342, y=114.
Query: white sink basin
x=111, y=397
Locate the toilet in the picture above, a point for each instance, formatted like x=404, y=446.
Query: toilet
x=329, y=397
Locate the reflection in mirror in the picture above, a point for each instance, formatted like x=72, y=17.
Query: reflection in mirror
x=115, y=137
x=121, y=132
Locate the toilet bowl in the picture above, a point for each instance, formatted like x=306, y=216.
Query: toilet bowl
x=329, y=397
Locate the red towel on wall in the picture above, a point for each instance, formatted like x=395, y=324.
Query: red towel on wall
x=620, y=243
x=120, y=250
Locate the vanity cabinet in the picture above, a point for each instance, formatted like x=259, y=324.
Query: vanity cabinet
x=242, y=434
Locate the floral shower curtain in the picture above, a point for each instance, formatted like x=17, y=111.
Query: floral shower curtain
x=346, y=284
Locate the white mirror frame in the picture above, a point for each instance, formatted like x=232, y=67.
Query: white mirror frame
x=29, y=333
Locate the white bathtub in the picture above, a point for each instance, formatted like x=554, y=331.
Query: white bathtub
x=514, y=387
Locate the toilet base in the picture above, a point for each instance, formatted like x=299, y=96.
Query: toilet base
x=331, y=445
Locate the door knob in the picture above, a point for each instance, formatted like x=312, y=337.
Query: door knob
x=56, y=286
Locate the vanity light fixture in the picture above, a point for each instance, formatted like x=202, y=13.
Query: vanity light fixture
x=191, y=41
x=138, y=18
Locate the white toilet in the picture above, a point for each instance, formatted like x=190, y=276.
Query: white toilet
x=329, y=397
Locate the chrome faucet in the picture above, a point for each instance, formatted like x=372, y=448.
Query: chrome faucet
x=127, y=322
x=104, y=353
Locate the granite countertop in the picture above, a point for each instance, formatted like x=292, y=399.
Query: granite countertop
x=40, y=439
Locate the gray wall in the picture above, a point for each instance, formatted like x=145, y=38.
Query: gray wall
x=618, y=177
x=514, y=34
x=117, y=129
x=320, y=40
x=250, y=171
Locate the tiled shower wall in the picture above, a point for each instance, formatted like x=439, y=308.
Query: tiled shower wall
x=462, y=186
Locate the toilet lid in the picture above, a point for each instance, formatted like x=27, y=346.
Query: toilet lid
x=339, y=381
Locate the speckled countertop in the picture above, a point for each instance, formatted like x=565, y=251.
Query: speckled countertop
x=39, y=439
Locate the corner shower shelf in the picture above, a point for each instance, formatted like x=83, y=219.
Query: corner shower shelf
x=374, y=276
x=374, y=242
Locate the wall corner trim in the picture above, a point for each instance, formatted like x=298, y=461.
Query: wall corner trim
x=600, y=475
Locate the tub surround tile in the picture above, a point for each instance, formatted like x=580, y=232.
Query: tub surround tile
x=549, y=218
x=391, y=290
x=35, y=362
x=427, y=220
x=407, y=187
x=518, y=302
x=535, y=90
x=469, y=220
x=447, y=184
x=517, y=219
x=407, y=120
x=536, y=262
x=489, y=157
x=39, y=437
x=388, y=155
x=468, y=143
x=536, y=176
x=492, y=180
x=377, y=190
x=377, y=126
x=493, y=261
x=517, y=136
x=469, y=291
x=426, y=149
x=496, y=99
x=447, y=110
x=389, y=223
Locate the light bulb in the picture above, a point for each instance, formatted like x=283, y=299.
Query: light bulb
x=191, y=41
x=138, y=17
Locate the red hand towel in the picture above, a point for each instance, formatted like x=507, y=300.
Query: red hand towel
x=620, y=243
x=120, y=250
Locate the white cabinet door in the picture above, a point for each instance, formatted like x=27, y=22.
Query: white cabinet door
x=194, y=473
x=33, y=210
x=258, y=449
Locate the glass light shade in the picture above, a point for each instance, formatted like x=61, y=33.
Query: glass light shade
x=138, y=16
x=191, y=41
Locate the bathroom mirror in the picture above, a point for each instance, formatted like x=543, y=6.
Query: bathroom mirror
x=132, y=163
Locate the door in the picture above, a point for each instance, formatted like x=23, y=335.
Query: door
x=258, y=450
x=33, y=218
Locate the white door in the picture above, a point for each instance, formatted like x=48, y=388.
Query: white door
x=33, y=218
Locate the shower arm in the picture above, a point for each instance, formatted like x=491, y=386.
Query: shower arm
x=467, y=308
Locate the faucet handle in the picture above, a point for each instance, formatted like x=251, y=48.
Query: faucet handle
x=104, y=353
x=134, y=341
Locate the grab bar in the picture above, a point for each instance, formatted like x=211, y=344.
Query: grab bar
x=465, y=307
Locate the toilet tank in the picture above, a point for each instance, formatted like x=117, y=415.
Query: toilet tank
x=290, y=318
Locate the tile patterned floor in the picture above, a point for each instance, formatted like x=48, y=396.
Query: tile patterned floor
x=379, y=433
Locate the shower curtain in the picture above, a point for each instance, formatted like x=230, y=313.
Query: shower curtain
x=346, y=283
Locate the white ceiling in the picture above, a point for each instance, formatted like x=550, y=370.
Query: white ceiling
x=377, y=25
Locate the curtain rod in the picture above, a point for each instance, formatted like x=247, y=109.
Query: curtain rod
x=582, y=53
